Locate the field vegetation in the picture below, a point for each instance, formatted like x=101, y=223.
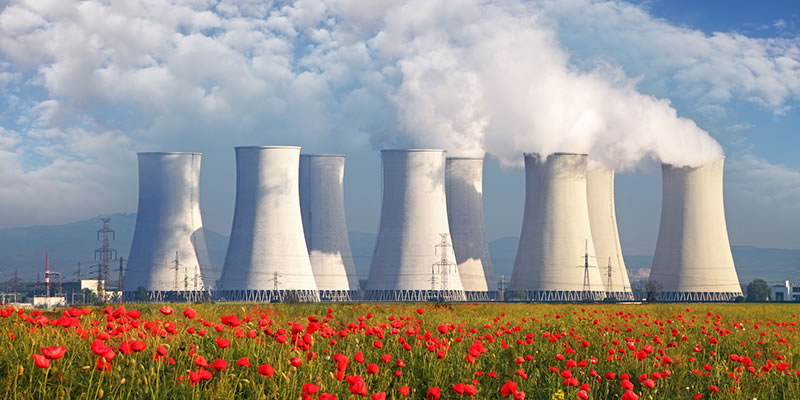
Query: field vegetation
x=399, y=351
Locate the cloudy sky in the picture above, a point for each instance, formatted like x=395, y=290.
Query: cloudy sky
x=84, y=85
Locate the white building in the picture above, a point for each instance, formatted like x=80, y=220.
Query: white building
x=788, y=291
x=693, y=259
x=325, y=226
x=603, y=221
x=464, y=191
x=168, y=254
x=556, y=258
x=413, y=258
x=267, y=258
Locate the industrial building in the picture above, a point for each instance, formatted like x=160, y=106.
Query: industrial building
x=267, y=258
x=556, y=258
x=693, y=259
x=464, y=192
x=325, y=226
x=168, y=256
x=605, y=235
x=413, y=258
x=787, y=291
x=289, y=239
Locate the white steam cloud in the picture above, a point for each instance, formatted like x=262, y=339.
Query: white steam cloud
x=478, y=77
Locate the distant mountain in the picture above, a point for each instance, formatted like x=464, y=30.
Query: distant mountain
x=772, y=265
x=22, y=250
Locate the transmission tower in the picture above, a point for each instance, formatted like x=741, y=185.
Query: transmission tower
x=105, y=254
x=443, y=266
x=609, y=286
x=587, y=287
x=177, y=267
x=274, y=281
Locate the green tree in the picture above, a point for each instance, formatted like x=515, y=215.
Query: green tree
x=141, y=294
x=758, y=290
x=653, y=288
x=90, y=297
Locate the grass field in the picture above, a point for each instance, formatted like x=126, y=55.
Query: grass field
x=398, y=351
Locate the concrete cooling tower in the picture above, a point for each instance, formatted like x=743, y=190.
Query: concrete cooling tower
x=168, y=255
x=267, y=258
x=603, y=221
x=464, y=192
x=556, y=259
x=413, y=259
x=325, y=226
x=693, y=260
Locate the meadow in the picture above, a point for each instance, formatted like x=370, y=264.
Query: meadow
x=402, y=351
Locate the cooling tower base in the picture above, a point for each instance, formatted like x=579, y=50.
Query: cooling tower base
x=339, y=295
x=565, y=296
x=620, y=296
x=192, y=296
x=414, y=295
x=481, y=296
x=698, y=296
x=268, y=296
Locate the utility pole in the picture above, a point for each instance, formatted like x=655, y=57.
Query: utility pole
x=120, y=282
x=177, y=265
x=47, y=277
x=274, y=281
x=106, y=254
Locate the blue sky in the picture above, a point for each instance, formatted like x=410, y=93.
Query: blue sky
x=85, y=85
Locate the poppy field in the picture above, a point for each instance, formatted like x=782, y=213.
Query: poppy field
x=399, y=351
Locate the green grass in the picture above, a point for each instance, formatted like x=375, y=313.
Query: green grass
x=764, y=332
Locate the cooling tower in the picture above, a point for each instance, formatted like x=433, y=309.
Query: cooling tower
x=464, y=192
x=413, y=259
x=693, y=260
x=556, y=259
x=168, y=255
x=267, y=259
x=325, y=226
x=603, y=222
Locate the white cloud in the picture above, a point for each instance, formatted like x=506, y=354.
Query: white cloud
x=706, y=69
x=91, y=82
x=763, y=198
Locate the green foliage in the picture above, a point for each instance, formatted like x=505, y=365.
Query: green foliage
x=713, y=332
x=141, y=294
x=758, y=290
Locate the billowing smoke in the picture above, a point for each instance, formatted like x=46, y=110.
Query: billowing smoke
x=475, y=77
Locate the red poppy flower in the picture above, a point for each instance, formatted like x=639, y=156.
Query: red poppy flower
x=508, y=388
x=404, y=390
x=372, y=369
x=189, y=312
x=219, y=365
x=54, y=352
x=266, y=370
x=296, y=362
x=41, y=361
x=433, y=393
x=166, y=310
x=630, y=395
x=243, y=362
x=223, y=343
x=310, y=388
x=378, y=396
x=357, y=385
x=582, y=394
